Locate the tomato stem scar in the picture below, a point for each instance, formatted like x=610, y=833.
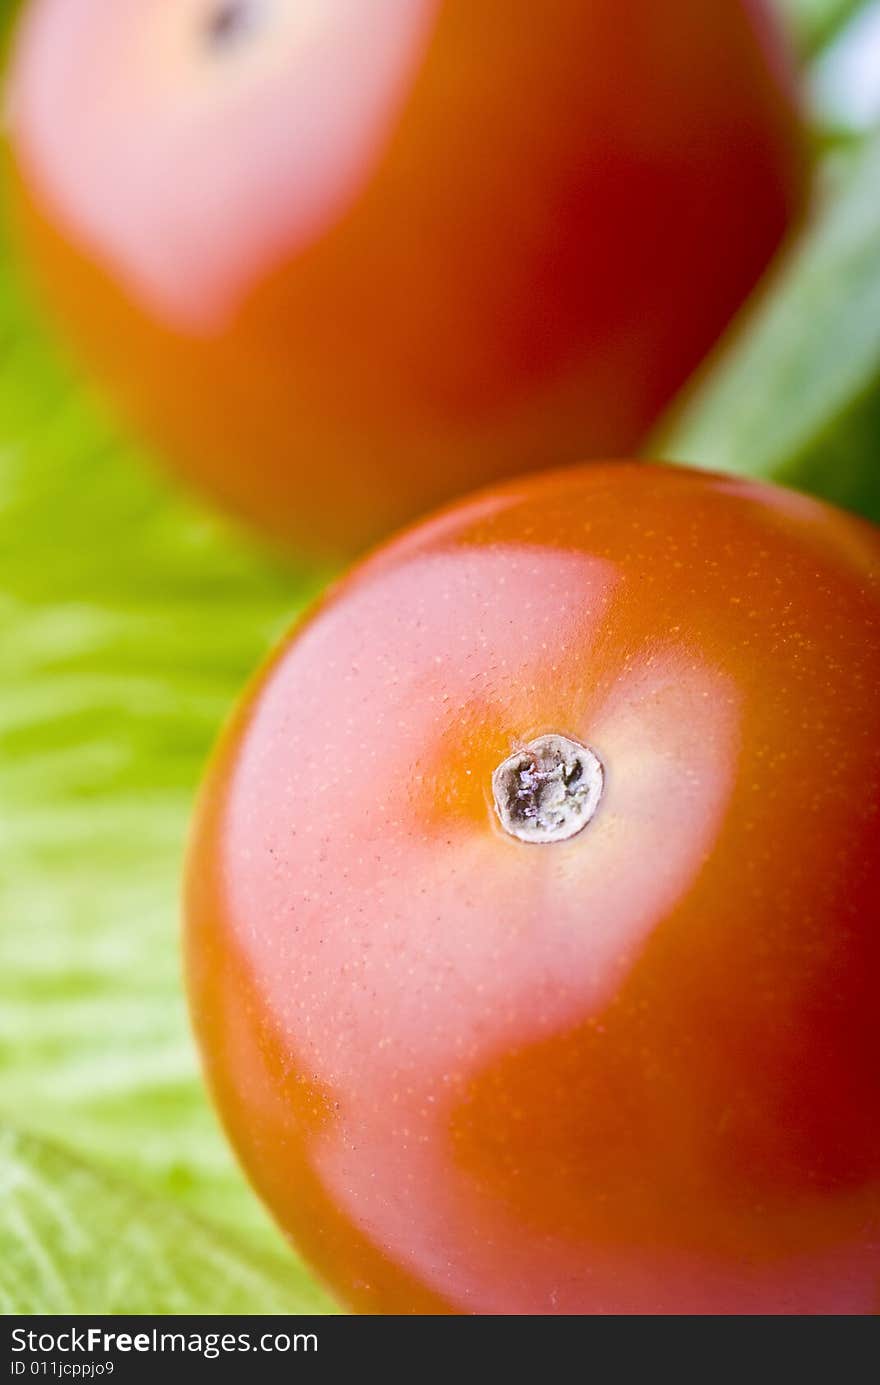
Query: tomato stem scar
x=549, y=790
x=230, y=20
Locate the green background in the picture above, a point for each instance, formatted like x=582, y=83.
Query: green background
x=131, y=616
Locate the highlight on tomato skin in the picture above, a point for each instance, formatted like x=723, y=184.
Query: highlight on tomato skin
x=533, y=908
x=343, y=260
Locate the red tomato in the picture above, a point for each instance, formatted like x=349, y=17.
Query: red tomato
x=621, y=1055
x=344, y=259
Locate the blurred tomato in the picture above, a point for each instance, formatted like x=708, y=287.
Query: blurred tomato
x=534, y=908
x=343, y=259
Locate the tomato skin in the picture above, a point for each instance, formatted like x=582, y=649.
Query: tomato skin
x=636, y=1071
x=553, y=219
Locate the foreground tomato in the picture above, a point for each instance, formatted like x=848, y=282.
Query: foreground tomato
x=343, y=259
x=621, y=1054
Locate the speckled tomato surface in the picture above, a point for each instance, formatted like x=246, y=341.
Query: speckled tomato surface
x=344, y=259
x=486, y=1068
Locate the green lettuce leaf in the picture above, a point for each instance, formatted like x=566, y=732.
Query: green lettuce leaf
x=73, y=1240
x=816, y=22
x=794, y=395
x=129, y=620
